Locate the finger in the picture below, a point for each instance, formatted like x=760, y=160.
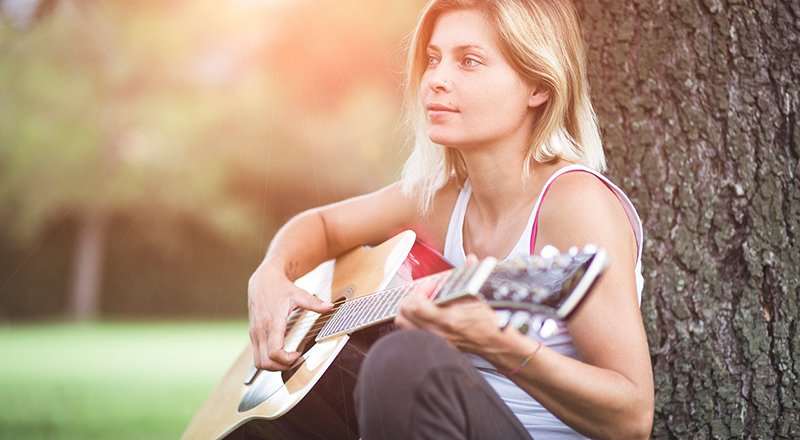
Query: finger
x=264, y=362
x=256, y=350
x=472, y=259
x=275, y=360
x=402, y=322
x=423, y=290
x=304, y=300
x=277, y=356
x=428, y=311
x=420, y=311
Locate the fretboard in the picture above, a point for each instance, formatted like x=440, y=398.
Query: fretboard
x=381, y=306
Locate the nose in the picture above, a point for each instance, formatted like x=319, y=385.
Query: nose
x=439, y=82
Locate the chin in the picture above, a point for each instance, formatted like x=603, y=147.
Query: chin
x=446, y=139
x=456, y=142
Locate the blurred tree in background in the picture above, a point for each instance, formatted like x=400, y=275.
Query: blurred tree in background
x=149, y=150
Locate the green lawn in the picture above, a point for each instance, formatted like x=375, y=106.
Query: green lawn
x=110, y=380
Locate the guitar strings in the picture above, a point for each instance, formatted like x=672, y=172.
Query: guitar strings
x=369, y=304
x=323, y=319
x=439, y=279
x=301, y=317
x=389, y=295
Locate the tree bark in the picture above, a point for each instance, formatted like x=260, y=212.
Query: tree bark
x=698, y=103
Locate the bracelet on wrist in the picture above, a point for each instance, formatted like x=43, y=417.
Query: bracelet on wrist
x=525, y=362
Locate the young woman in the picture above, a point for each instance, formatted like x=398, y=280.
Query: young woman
x=498, y=97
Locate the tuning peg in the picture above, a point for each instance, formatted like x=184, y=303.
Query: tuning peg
x=520, y=294
x=535, y=324
x=573, y=251
x=562, y=261
x=536, y=263
x=590, y=249
x=520, y=320
x=549, y=328
x=549, y=252
x=518, y=266
x=502, y=292
x=503, y=317
x=540, y=294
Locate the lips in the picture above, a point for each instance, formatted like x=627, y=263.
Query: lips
x=436, y=107
x=439, y=112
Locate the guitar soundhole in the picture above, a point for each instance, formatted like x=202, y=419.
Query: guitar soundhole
x=308, y=341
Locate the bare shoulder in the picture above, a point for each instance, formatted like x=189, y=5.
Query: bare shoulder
x=579, y=209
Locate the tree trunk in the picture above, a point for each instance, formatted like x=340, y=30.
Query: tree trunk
x=87, y=270
x=698, y=102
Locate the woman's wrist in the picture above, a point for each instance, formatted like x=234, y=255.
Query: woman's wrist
x=511, y=350
x=522, y=365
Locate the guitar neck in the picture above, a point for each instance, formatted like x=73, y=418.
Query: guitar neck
x=382, y=306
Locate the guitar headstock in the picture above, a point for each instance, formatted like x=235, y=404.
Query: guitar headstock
x=528, y=291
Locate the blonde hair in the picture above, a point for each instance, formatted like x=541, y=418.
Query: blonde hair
x=542, y=41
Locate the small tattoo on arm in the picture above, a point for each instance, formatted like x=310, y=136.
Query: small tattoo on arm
x=291, y=271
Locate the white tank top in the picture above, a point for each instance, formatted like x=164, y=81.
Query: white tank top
x=539, y=422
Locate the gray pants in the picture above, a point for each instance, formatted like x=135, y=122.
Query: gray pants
x=413, y=385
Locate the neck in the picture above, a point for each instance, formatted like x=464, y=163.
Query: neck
x=498, y=184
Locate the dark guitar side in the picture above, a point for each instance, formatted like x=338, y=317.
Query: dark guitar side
x=316, y=400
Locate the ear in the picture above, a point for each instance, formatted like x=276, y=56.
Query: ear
x=539, y=95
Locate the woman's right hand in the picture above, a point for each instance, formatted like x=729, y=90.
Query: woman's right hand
x=271, y=297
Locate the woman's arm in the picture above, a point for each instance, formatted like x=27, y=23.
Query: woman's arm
x=303, y=243
x=609, y=393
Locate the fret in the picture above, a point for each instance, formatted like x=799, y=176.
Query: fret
x=375, y=306
x=385, y=309
x=468, y=276
x=349, y=315
x=402, y=292
x=462, y=281
x=379, y=306
x=359, y=315
x=449, y=285
x=335, y=323
x=369, y=308
x=382, y=310
x=441, y=280
x=392, y=305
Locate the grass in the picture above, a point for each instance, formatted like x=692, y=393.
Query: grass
x=110, y=380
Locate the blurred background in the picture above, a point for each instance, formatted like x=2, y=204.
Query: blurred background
x=149, y=150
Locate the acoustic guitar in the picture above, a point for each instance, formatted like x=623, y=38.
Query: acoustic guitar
x=314, y=398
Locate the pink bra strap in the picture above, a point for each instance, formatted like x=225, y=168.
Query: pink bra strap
x=544, y=193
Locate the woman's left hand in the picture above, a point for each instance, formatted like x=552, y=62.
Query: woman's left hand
x=466, y=323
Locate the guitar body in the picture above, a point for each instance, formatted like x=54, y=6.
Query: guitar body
x=267, y=405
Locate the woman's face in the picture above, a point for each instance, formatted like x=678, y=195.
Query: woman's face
x=470, y=93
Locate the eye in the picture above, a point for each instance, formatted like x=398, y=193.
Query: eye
x=432, y=60
x=470, y=62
